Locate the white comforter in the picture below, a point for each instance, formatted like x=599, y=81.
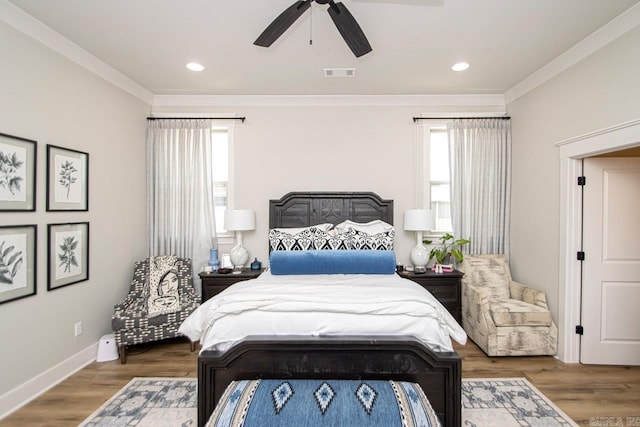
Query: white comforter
x=319, y=305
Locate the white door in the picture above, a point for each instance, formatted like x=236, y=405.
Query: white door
x=611, y=270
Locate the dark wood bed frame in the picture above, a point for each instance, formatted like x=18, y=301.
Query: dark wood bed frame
x=390, y=357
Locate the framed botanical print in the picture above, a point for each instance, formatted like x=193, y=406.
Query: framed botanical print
x=17, y=173
x=67, y=179
x=17, y=262
x=68, y=254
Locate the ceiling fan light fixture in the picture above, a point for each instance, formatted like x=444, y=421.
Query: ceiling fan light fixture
x=460, y=66
x=339, y=72
x=194, y=66
x=346, y=24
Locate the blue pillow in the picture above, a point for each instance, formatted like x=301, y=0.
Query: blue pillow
x=332, y=262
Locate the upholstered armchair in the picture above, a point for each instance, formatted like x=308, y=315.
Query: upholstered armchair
x=161, y=297
x=504, y=317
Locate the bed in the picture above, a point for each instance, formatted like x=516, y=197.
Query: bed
x=357, y=357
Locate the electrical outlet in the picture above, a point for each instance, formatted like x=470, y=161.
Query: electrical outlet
x=77, y=329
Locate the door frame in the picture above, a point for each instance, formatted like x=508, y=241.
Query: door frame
x=571, y=151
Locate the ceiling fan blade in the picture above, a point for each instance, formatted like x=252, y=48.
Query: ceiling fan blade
x=282, y=23
x=349, y=29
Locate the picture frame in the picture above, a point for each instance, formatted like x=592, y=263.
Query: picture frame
x=18, y=264
x=225, y=261
x=17, y=173
x=68, y=254
x=67, y=179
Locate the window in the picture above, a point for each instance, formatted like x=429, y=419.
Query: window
x=437, y=185
x=221, y=141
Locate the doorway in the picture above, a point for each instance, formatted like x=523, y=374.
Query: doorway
x=611, y=269
x=571, y=151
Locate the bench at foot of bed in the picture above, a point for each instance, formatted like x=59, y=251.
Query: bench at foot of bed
x=256, y=403
x=287, y=358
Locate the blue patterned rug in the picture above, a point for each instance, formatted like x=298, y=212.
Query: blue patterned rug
x=171, y=402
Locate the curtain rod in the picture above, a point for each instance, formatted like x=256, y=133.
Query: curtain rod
x=415, y=119
x=197, y=118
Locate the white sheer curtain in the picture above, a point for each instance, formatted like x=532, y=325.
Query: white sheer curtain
x=180, y=192
x=480, y=164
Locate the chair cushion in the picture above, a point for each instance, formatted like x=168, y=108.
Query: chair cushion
x=512, y=312
x=489, y=272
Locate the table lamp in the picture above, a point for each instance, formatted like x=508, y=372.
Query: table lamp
x=419, y=220
x=239, y=220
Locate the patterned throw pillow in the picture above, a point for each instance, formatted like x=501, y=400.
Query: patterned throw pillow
x=380, y=241
x=323, y=240
x=163, y=284
x=283, y=241
x=372, y=227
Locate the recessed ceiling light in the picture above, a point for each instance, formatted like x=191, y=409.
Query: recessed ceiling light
x=460, y=66
x=194, y=66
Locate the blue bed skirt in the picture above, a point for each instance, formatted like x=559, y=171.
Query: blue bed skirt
x=347, y=403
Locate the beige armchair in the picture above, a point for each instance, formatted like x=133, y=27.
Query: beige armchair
x=504, y=317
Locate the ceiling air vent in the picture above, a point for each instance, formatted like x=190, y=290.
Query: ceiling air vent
x=339, y=72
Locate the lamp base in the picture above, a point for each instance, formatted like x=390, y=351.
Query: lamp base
x=419, y=256
x=239, y=257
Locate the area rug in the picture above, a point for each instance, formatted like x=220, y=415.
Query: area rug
x=172, y=402
x=508, y=402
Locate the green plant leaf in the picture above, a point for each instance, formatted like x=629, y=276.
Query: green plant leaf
x=457, y=254
x=448, y=246
x=446, y=236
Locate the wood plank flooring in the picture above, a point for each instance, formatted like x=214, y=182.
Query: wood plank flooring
x=581, y=391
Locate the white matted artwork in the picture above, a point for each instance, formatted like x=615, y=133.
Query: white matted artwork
x=17, y=173
x=17, y=262
x=67, y=179
x=68, y=261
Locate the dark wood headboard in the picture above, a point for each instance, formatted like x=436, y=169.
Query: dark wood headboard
x=303, y=209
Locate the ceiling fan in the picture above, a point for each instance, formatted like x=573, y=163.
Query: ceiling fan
x=342, y=18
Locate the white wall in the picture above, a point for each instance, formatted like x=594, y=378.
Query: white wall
x=600, y=91
x=324, y=149
x=46, y=97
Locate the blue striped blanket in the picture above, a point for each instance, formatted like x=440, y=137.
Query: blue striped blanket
x=333, y=403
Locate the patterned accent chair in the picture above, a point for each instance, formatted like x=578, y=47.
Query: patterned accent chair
x=131, y=322
x=504, y=317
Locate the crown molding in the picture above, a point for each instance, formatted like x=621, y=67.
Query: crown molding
x=491, y=102
x=612, y=30
x=22, y=21
x=619, y=137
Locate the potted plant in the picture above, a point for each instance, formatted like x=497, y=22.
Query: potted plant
x=449, y=247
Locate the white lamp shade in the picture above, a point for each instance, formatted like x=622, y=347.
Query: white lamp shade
x=239, y=219
x=418, y=220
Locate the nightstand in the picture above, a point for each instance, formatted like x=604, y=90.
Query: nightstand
x=214, y=283
x=446, y=287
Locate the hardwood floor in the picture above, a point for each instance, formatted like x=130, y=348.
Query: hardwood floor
x=581, y=391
